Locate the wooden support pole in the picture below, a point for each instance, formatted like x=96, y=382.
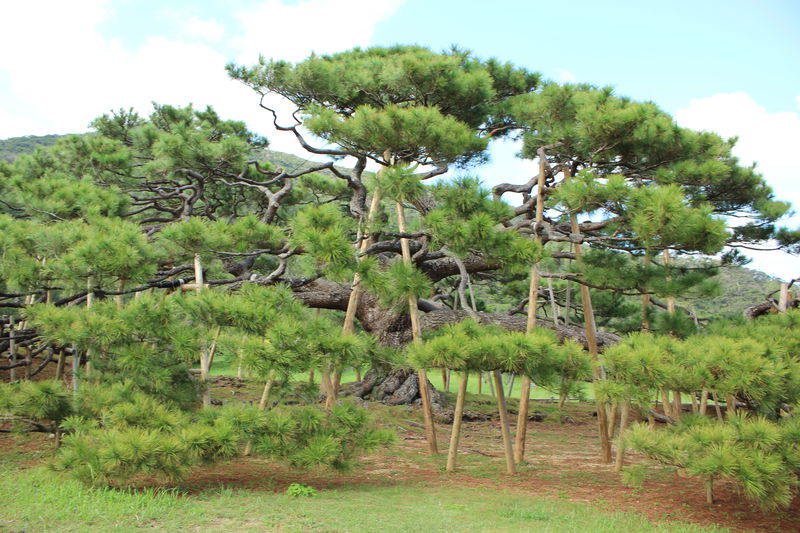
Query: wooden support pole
x=12, y=347
x=458, y=414
x=504, y=426
x=623, y=424
x=783, y=300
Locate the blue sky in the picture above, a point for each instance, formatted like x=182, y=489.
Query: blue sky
x=727, y=66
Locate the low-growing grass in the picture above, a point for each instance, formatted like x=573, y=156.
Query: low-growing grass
x=47, y=501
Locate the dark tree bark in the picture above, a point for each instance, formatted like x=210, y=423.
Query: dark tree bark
x=394, y=329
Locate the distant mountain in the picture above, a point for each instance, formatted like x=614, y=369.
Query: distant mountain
x=15, y=146
x=292, y=163
x=741, y=287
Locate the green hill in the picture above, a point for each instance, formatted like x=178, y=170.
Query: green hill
x=740, y=287
x=11, y=148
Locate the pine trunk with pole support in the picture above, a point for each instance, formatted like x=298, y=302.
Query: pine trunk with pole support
x=591, y=340
x=533, y=294
x=205, y=370
x=416, y=334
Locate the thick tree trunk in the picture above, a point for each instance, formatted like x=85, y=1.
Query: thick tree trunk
x=677, y=405
x=394, y=329
x=703, y=402
x=396, y=387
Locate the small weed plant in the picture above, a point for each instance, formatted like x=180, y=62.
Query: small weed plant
x=298, y=490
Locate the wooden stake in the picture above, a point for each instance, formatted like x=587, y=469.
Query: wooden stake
x=665, y=403
x=731, y=404
x=504, y=426
x=623, y=424
x=327, y=387
x=348, y=326
x=118, y=298
x=783, y=301
x=612, y=420
x=646, y=297
x=12, y=347
x=198, y=273
x=60, y=365
x=710, y=490
x=670, y=299
x=455, y=433
x=716, y=405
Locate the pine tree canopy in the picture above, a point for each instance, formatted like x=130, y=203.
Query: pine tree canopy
x=158, y=242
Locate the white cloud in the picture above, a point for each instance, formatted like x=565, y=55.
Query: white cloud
x=59, y=71
x=292, y=31
x=769, y=139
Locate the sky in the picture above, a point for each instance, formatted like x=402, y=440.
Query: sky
x=727, y=66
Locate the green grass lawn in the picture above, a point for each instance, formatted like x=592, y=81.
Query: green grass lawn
x=46, y=501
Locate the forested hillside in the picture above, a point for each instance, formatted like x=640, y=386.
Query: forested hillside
x=13, y=147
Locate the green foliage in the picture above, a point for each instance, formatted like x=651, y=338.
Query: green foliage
x=323, y=233
x=467, y=220
x=119, y=432
x=399, y=91
x=759, y=455
x=539, y=355
x=755, y=362
x=39, y=401
x=418, y=133
x=296, y=490
x=396, y=284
